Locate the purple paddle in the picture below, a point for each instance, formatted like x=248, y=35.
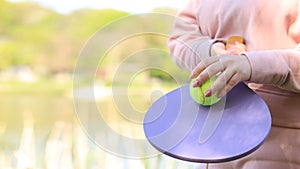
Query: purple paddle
x=230, y=129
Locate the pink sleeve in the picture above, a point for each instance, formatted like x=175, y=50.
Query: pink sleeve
x=187, y=44
x=276, y=67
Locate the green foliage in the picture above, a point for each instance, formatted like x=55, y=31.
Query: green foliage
x=35, y=36
x=38, y=37
x=161, y=75
x=84, y=23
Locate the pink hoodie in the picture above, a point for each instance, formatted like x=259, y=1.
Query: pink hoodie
x=271, y=29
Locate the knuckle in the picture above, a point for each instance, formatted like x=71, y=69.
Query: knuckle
x=202, y=77
x=210, y=72
x=205, y=62
x=217, y=85
x=232, y=83
x=222, y=79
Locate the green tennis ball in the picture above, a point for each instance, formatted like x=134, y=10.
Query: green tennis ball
x=197, y=93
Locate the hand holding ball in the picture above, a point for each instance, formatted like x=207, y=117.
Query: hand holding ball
x=197, y=93
x=235, y=45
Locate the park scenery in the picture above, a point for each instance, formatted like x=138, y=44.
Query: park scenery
x=74, y=87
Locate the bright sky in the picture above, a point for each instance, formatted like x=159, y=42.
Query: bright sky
x=132, y=6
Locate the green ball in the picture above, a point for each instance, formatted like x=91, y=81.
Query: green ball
x=197, y=93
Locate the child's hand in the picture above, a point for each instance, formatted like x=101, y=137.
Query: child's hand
x=235, y=46
x=230, y=70
x=218, y=49
x=236, y=49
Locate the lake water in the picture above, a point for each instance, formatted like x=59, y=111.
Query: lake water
x=48, y=132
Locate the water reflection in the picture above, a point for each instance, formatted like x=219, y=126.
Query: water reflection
x=43, y=132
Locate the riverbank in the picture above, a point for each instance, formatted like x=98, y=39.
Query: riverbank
x=45, y=87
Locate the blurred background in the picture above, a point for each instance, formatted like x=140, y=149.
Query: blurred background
x=40, y=42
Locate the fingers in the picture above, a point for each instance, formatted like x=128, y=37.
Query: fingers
x=230, y=70
x=203, y=65
x=234, y=81
x=221, y=82
x=236, y=49
x=224, y=83
x=208, y=72
x=217, y=49
x=236, y=69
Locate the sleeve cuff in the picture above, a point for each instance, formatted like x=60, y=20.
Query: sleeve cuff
x=268, y=67
x=203, y=49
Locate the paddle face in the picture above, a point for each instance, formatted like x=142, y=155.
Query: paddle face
x=232, y=128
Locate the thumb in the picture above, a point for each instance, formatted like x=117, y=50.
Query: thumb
x=218, y=48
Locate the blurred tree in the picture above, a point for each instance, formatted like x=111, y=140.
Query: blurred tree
x=38, y=37
x=34, y=36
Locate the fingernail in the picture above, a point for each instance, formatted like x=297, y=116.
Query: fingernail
x=207, y=93
x=219, y=95
x=192, y=75
x=196, y=83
